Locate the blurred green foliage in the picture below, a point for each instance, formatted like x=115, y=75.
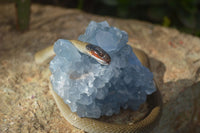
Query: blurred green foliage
x=181, y=14
x=166, y=21
x=22, y=14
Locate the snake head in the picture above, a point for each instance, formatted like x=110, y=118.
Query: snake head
x=99, y=54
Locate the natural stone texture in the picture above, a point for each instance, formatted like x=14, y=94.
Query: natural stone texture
x=26, y=103
x=92, y=89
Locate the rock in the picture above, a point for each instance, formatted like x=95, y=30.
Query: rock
x=26, y=103
x=124, y=83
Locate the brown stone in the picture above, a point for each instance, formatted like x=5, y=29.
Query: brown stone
x=26, y=104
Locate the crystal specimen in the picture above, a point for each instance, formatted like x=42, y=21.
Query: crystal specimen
x=91, y=89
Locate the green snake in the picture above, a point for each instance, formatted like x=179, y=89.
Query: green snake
x=94, y=125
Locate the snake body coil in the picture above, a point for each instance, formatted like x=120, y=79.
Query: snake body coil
x=94, y=125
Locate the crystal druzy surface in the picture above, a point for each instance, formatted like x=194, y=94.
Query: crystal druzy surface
x=92, y=89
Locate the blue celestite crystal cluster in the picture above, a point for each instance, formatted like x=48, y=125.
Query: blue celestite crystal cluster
x=91, y=89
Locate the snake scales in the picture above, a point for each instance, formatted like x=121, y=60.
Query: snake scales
x=95, y=126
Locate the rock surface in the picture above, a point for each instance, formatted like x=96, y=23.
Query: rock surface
x=26, y=103
x=93, y=90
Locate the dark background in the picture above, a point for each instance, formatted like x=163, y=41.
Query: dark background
x=181, y=14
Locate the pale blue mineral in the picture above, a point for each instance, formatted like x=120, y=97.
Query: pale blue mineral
x=91, y=89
